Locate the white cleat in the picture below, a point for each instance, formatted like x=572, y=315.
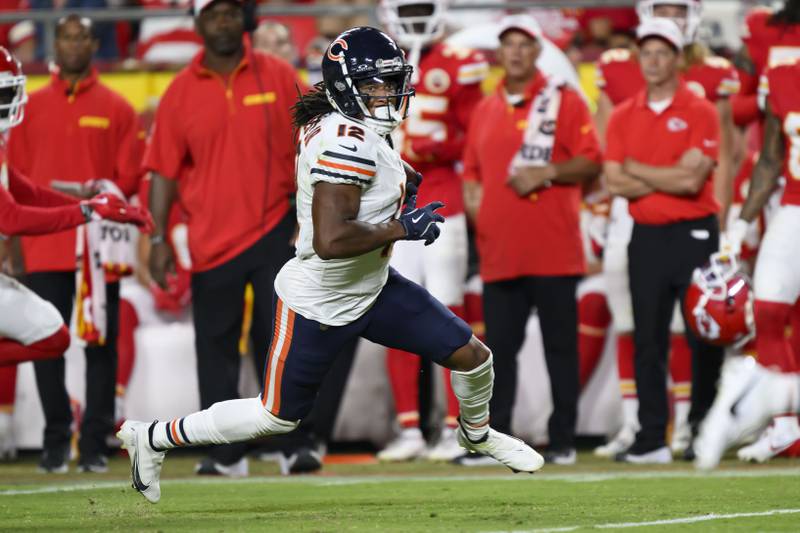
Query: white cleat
x=749, y=396
x=775, y=439
x=659, y=456
x=619, y=444
x=508, y=450
x=447, y=448
x=145, y=461
x=406, y=447
x=681, y=438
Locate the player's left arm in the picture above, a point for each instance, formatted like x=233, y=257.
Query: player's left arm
x=724, y=173
x=767, y=170
x=338, y=234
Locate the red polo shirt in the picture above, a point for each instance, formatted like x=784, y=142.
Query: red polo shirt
x=229, y=144
x=538, y=235
x=636, y=131
x=74, y=134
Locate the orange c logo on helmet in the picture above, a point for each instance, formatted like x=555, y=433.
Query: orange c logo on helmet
x=342, y=44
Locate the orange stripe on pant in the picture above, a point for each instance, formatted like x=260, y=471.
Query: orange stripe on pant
x=276, y=331
x=276, y=406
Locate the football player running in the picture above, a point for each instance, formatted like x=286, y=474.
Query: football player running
x=751, y=392
x=447, y=88
x=620, y=78
x=350, y=208
x=30, y=327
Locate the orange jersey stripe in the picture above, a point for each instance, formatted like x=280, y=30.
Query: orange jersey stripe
x=278, y=315
x=340, y=166
x=287, y=343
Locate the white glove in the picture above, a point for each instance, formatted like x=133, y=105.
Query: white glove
x=731, y=241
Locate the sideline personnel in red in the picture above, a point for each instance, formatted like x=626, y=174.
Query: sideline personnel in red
x=524, y=162
x=226, y=118
x=75, y=129
x=661, y=148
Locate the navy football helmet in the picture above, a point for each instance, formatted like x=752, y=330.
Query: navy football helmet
x=356, y=62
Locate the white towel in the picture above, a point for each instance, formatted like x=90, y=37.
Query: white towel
x=104, y=249
x=539, y=137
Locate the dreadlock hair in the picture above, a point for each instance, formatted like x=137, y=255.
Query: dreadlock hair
x=789, y=14
x=310, y=106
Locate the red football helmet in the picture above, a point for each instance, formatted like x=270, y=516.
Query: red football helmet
x=719, y=303
x=12, y=91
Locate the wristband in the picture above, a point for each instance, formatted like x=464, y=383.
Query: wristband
x=156, y=239
x=86, y=211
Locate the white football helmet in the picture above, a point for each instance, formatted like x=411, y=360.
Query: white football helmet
x=694, y=14
x=413, y=31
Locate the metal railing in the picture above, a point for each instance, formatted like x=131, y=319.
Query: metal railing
x=49, y=17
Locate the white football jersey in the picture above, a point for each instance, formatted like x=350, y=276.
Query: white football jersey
x=338, y=150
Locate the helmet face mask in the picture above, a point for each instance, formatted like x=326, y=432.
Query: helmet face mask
x=12, y=91
x=367, y=79
x=413, y=23
x=689, y=25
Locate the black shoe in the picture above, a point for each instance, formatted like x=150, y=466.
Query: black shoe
x=563, y=456
x=96, y=464
x=688, y=453
x=54, y=460
x=302, y=461
x=210, y=467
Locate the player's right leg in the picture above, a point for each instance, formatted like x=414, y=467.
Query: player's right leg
x=752, y=392
x=31, y=328
x=299, y=356
x=405, y=316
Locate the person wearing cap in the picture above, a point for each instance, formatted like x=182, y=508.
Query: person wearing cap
x=661, y=149
x=222, y=145
x=76, y=130
x=523, y=169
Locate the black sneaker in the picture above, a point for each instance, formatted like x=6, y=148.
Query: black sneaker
x=476, y=459
x=563, y=456
x=54, y=460
x=688, y=453
x=96, y=464
x=302, y=461
x=210, y=467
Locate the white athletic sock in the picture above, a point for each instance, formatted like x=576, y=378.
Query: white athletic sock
x=681, y=414
x=630, y=413
x=474, y=390
x=786, y=425
x=222, y=423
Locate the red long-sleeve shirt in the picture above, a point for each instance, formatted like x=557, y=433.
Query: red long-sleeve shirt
x=27, y=209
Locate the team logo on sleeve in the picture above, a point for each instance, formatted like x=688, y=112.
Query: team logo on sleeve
x=436, y=81
x=696, y=88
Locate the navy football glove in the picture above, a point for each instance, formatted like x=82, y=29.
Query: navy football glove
x=420, y=223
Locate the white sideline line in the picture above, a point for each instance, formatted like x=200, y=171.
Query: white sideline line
x=332, y=481
x=666, y=522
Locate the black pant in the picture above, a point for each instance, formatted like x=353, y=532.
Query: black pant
x=218, y=309
x=506, y=308
x=101, y=371
x=660, y=264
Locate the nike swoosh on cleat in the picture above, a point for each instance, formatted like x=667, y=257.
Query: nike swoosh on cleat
x=137, y=480
x=352, y=149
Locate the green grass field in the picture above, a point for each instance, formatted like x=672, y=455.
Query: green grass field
x=594, y=494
